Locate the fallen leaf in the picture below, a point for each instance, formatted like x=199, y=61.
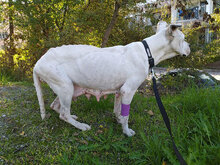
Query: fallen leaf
x=99, y=131
x=164, y=163
x=84, y=142
x=22, y=133
x=75, y=134
x=150, y=112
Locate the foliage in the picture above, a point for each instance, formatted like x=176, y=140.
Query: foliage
x=40, y=25
x=22, y=66
x=202, y=52
x=1, y=11
x=26, y=139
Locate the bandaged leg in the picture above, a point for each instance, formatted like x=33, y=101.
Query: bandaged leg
x=127, y=95
x=125, y=108
x=124, y=119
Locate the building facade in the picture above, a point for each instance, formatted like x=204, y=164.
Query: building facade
x=193, y=12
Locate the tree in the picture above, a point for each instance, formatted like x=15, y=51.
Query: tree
x=7, y=16
x=11, y=47
x=111, y=24
x=125, y=5
x=42, y=23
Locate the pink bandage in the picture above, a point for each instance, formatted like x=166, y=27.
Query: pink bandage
x=125, y=109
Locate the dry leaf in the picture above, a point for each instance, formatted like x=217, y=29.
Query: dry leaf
x=84, y=142
x=99, y=131
x=22, y=133
x=150, y=112
x=75, y=134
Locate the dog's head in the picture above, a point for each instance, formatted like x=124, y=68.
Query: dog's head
x=177, y=40
x=175, y=37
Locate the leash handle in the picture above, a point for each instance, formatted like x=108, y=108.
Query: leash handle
x=166, y=120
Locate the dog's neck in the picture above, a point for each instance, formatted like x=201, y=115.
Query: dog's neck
x=160, y=47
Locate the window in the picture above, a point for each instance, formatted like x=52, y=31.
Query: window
x=203, y=9
x=192, y=13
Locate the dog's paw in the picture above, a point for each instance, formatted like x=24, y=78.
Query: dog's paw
x=84, y=127
x=74, y=116
x=129, y=132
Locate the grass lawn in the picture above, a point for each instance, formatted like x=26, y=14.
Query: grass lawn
x=26, y=139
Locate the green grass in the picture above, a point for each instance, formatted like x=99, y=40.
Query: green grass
x=26, y=139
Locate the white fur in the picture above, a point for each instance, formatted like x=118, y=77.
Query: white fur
x=73, y=70
x=161, y=25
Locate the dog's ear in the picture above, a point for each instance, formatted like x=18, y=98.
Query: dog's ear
x=171, y=29
x=161, y=25
x=174, y=27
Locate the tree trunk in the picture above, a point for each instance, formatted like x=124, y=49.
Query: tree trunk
x=11, y=46
x=111, y=25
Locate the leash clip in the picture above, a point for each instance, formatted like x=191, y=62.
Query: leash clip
x=153, y=73
x=151, y=61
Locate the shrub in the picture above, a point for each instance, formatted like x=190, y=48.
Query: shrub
x=20, y=70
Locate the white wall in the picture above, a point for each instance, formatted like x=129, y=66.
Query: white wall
x=173, y=11
x=209, y=7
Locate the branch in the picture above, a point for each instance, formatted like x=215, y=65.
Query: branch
x=111, y=25
x=64, y=16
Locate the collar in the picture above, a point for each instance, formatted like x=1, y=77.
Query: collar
x=149, y=55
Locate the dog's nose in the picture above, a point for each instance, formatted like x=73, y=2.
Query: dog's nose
x=184, y=55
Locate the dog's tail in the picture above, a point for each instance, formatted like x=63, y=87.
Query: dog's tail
x=37, y=85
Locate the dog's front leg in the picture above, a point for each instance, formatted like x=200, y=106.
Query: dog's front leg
x=127, y=95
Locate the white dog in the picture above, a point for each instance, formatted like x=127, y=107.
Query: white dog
x=74, y=70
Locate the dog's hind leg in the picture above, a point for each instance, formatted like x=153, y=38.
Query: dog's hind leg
x=56, y=107
x=64, y=88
